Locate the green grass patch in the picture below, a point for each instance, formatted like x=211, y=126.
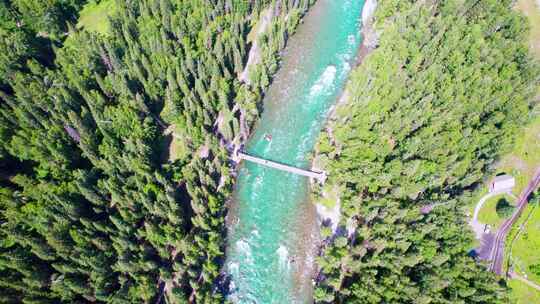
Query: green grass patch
x=488, y=213
x=523, y=294
x=525, y=253
x=330, y=197
x=93, y=16
x=524, y=158
x=531, y=10
x=177, y=149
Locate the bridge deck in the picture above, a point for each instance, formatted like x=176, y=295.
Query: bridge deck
x=321, y=176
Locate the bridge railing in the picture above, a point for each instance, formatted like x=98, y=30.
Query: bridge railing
x=320, y=176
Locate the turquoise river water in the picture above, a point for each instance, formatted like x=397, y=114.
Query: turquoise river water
x=267, y=255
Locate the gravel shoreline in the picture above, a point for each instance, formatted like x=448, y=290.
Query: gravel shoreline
x=325, y=215
x=369, y=43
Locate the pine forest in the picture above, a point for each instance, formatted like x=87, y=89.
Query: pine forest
x=116, y=175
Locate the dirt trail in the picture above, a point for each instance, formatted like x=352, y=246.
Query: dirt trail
x=254, y=56
x=514, y=275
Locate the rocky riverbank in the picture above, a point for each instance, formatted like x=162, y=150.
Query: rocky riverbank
x=370, y=40
x=329, y=214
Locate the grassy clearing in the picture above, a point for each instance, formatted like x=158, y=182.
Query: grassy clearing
x=488, y=213
x=524, y=253
x=522, y=161
x=93, y=17
x=530, y=9
x=330, y=196
x=523, y=294
x=177, y=148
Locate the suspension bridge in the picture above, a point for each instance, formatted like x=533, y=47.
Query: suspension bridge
x=320, y=176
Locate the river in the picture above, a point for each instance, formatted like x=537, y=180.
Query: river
x=272, y=230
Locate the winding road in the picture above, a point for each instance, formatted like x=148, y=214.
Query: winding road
x=497, y=251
